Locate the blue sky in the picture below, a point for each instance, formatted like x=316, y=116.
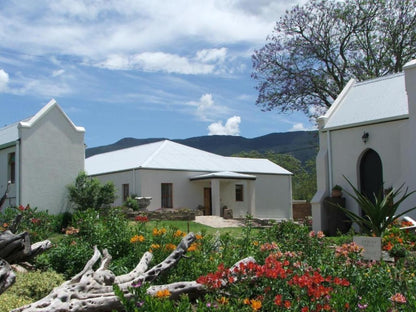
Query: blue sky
x=143, y=69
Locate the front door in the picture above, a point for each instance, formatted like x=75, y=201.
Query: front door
x=207, y=201
x=371, y=175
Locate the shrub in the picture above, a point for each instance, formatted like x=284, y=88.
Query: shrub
x=88, y=192
x=131, y=203
x=29, y=287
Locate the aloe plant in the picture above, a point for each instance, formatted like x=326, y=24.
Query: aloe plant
x=381, y=213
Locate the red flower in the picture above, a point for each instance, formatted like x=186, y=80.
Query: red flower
x=278, y=300
x=287, y=304
x=305, y=309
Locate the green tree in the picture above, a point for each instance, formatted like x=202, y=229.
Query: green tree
x=316, y=48
x=88, y=192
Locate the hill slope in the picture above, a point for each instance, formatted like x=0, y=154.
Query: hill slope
x=301, y=144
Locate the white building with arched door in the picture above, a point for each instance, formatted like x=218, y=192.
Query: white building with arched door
x=368, y=136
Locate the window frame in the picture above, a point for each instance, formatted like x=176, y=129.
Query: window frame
x=125, y=189
x=11, y=164
x=239, y=192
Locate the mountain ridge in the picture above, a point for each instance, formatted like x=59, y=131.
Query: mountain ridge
x=303, y=145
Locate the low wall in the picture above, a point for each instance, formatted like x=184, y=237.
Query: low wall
x=301, y=209
x=164, y=214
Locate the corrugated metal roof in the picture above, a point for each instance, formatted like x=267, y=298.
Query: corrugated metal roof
x=174, y=156
x=371, y=101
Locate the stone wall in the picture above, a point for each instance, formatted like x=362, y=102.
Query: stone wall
x=164, y=214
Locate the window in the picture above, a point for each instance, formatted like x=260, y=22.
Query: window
x=126, y=191
x=12, y=167
x=167, y=195
x=239, y=192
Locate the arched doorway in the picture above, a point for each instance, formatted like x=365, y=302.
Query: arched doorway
x=371, y=174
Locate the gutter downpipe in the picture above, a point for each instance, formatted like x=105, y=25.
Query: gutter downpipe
x=329, y=160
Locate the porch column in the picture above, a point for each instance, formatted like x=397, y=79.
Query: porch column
x=251, y=192
x=215, y=197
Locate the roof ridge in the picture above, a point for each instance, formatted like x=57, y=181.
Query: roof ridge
x=372, y=80
x=155, y=153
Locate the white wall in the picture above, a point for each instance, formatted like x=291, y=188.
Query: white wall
x=273, y=196
x=272, y=192
x=52, y=155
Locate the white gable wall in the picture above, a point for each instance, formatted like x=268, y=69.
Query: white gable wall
x=52, y=155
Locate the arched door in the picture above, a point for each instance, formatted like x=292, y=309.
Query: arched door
x=371, y=174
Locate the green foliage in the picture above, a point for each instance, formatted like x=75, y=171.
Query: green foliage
x=29, y=287
x=379, y=214
x=131, y=202
x=304, y=175
x=39, y=224
x=88, y=192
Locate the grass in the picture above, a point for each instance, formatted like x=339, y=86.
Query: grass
x=191, y=226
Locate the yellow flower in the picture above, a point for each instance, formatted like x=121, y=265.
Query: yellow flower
x=163, y=293
x=255, y=304
x=255, y=243
x=137, y=238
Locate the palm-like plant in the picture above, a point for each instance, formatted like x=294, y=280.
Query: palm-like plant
x=381, y=213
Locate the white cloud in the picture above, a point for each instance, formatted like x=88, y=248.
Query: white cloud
x=206, y=109
x=212, y=55
x=204, y=62
x=4, y=80
x=301, y=127
x=231, y=127
x=96, y=29
x=58, y=72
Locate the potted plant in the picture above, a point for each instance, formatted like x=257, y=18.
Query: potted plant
x=336, y=191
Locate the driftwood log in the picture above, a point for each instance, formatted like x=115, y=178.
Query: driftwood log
x=15, y=248
x=92, y=290
x=7, y=276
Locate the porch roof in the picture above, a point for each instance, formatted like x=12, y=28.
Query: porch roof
x=224, y=175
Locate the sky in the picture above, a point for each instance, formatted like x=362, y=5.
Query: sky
x=142, y=69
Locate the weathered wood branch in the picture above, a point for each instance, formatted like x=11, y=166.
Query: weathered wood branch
x=92, y=290
x=7, y=276
x=16, y=248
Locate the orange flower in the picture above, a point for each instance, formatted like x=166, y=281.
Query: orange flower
x=223, y=300
x=193, y=247
x=255, y=304
x=170, y=246
x=157, y=232
x=179, y=233
x=5, y=225
x=246, y=301
x=163, y=293
x=198, y=236
x=137, y=238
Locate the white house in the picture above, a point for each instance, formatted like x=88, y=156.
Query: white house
x=178, y=176
x=41, y=155
x=369, y=136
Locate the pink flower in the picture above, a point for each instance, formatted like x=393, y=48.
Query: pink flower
x=399, y=298
x=312, y=234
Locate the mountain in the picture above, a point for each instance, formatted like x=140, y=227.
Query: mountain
x=301, y=144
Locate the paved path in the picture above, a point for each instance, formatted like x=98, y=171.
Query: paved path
x=217, y=222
